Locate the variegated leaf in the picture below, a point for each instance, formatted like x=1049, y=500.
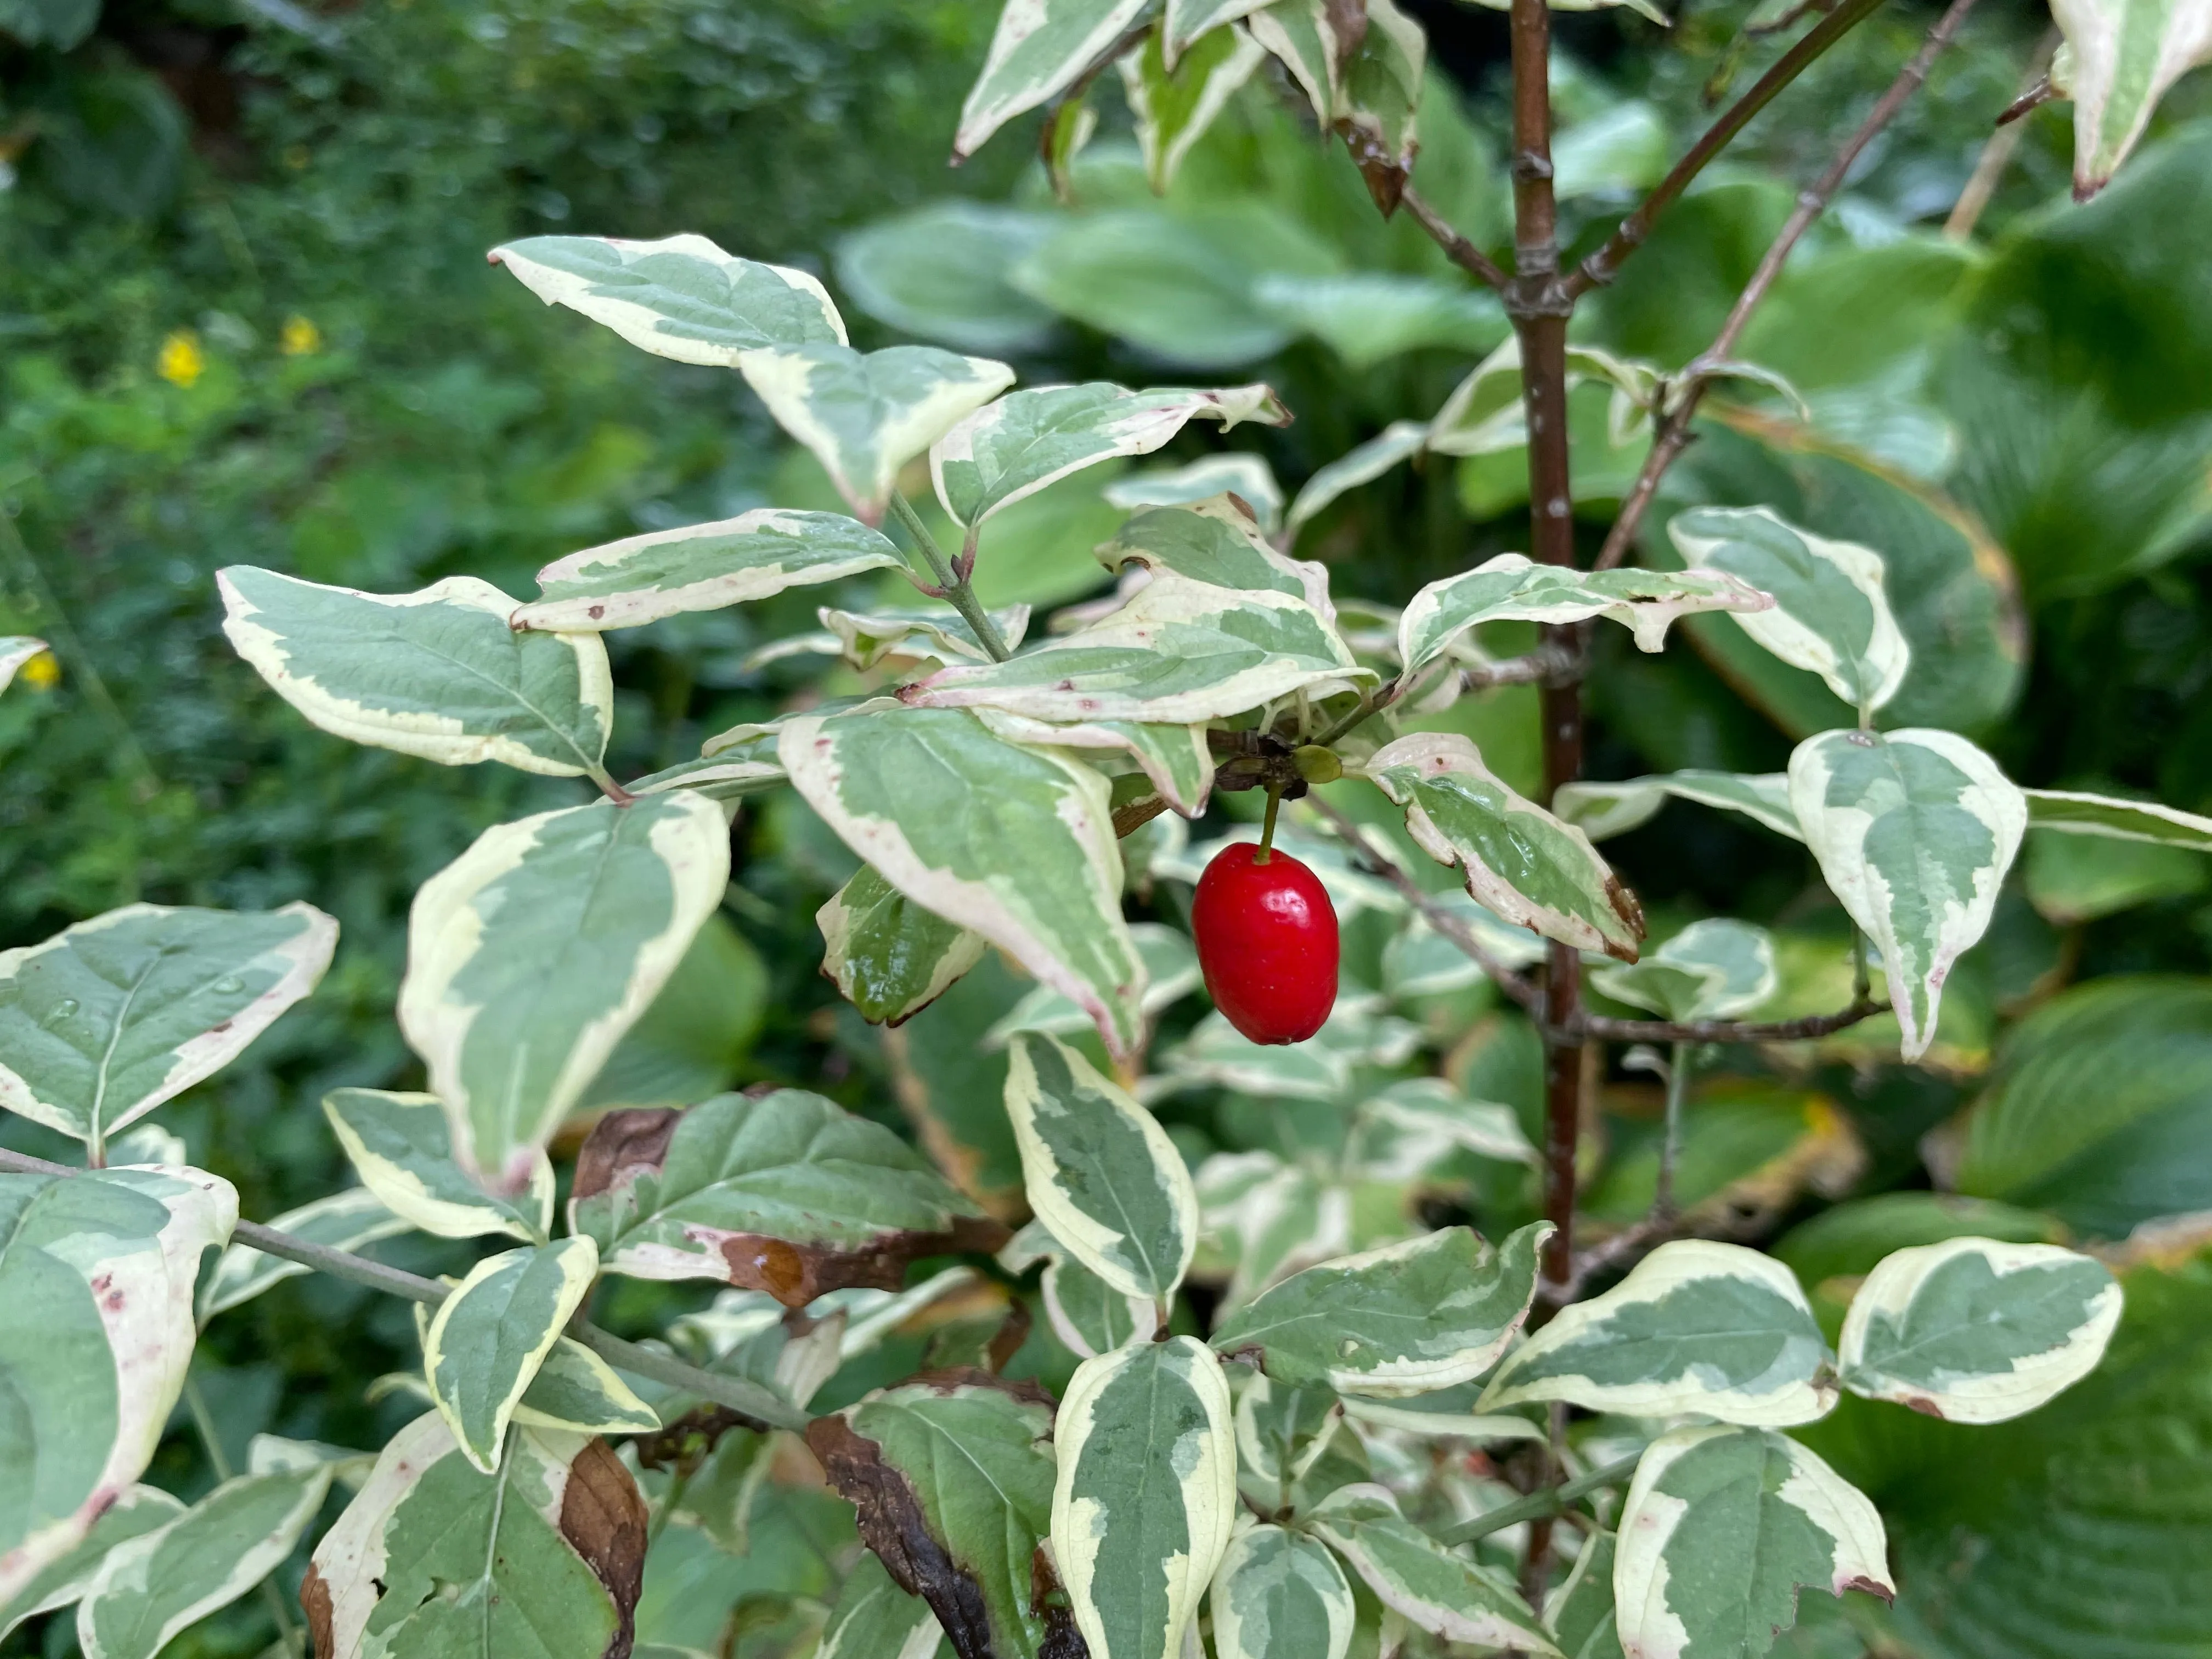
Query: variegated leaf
x=1580, y=1612
x=1041, y=47
x=1282, y=1431
x=108, y=1019
x=1427, y=1314
x=868, y=638
x=1188, y=19
x=438, y=674
x=2119, y=58
x=1484, y=414
x=1217, y=542
x=1512, y=588
x=1240, y=473
x=1171, y=973
x=1364, y=463
x=343, y=1220
x=1831, y=613
x=531, y=955
x=1145, y=1493
x=1175, y=102
x=1314, y=40
x=2119, y=819
x=1322, y=1067
x=1716, y=969
x=888, y=957
x=874, y=1618
x=1265, y=1219
x=1914, y=831
x=681, y=298
x=488, y=1339
x=1178, y=760
x=1100, y=1172
x=1976, y=1331
x=1280, y=1595
x=1443, y=1413
x=1432, y=1586
x=747, y=768
x=402, y=1148
x=1604, y=810
x=577, y=1391
x=1015, y=842
x=1088, y=1315
x=1779, y=1518
x=702, y=567
x=545, y=1557
x=1696, y=1326
x=15, y=650
x=152, y=1586
x=864, y=415
x=788, y=1194
x=1405, y=1131
x=1520, y=862
x=137, y=1510
x=96, y=1274
x=1380, y=99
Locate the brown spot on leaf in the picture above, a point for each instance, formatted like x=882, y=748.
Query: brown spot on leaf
x=1870, y=1587
x=315, y=1602
x=794, y=1274
x=1924, y=1405
x=622, y=1145
x=973, y=1376
x=1626, y=906
x=603, y=1516
x=687, y=1441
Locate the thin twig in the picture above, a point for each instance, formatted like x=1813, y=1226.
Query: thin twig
x=1606, y=1028
x=1670, y=1143
x=739, y=1395
x=1997, y=155
x=1457, y=248
x=952, y=583
x=1630, y=1241
x=1540, y=1506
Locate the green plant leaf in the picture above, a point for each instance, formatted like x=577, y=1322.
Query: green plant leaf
x=1914, y=831
x=2071, y=878
x=151, y=1586
x=1362, y=464
x=1016, y=843
x=1145, y=1495
x=1175, y=100
x=1407, y=1131
x=1239, y=472
x=1188, y=19
x=1721, y=1527
x=1217, y=542
x=1716, y=969
x=136, y=1510
x=1280, y=1596
x=874, y=1618
x=1696, y=1326
x=1379, y=99
x=2121, y=56
x=437, y=674
x=402, y=1148
x=531, y=955
x=96, y=1272
x=344, y=1220
x=2118, y=818
x=1366, y=317
x=1100, y=1172
x=681, y=297
x=939, y=273
x=1520, y=862
x=1088, y=1315
x=788, y=1194
x=1217, y=1055
x=1430, y=1313
x=694, y=1036
x=1580, y=1612
x=1604, y=810
x=15, y=650
x=1848, y=1240
x=1176, y=760
x=108, y=1019
x=1265, y=1219
x=543, y=1558
x=1037, y=51
x=488, y=1339
x=1282, y=1432
x=890, y=958
x=1430, y=1586
x=1314, y=43
x=576, y=1390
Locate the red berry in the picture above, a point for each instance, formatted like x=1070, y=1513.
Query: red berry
x=1267, y=943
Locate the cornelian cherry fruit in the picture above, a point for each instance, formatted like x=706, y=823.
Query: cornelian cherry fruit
x=1267, y=943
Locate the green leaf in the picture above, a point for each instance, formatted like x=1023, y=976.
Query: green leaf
x=1100, y=1172
x=488, y=1339
x=1408, y=1131
x=344, y=1220
x=1314, y=41
x=1282, y=1432
x=864, y=415
x=438, y=674
x=531, y=955
x=1038, y=50
x=868, y=638
x=1322, y=1067
x=1484, y=415
x=2072, y=878
x=1831, y=613
x=1188, y=19
x=1239, y=472
x=1145, y=1493
x=1088, y=1315
x=874, y=1618
x=1430, y=1313
x=953, y=1479
x=1721, y=1529
x=1914, y=831
x=1365, y=317
x=681, y=298
x=2120, y=58
x=543, y=1560
x=788, y=1194
x=1177, y=761
x=1362, y=464
x=1380, y=98
x=701, y=566
x=153, y=1585
x=96, y=1272
x=1716, y=969
x=939, y=273
x=1171, y=973
x=1430, y=1586
x=1016, y=843
x=694, y=1037
x=402, y=1148
x=1696, y=1326
x=1520, y=862
x=890, y=958
x=1265, y=1219
x=1580, y=1612
x=576, y=1390
x=1847, y=1240
x=2119, y=819
x=1217, y=542
x=1280, y=1596
x=1974, y=1331
x=108, y=1019
x=136, y=1510
x=15, y=650
x=1174, y=101
x=1604, y=810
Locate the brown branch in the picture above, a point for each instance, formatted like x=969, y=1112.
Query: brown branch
x=1673, y=433
x=1605, y=1028
x=1457, y=248
x=1997, y=154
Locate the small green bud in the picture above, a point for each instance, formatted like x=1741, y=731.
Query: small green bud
x=1316, y=764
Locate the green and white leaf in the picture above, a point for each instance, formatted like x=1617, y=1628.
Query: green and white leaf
x=2119, y=58
x=576, y=1390
x=1443, y=1412
x=1520, y=862
x=874, y=1618
x=1976, y=1331
x=1380, y=98
x=1217, y=541
x=864, y=415
x=1145, y=1493
x=1408, y=1131
x=1580, y=1612
x=1188, y=19
x=1267, y=1219
x=702, y=567
x=152, y=1586
x=345, y=1220
x=1432, y=1586
x=1088, y=1315
x=1399, y=441
x=1696, y=1326
x=1716, y=969
x=1030, y=439
x=1015, y=842
x=15, y=650
x=1216, y=1055
x=136, y=1510
x=888, y=957
x=868, y=637
x=1280, y=1595
x=1282, y=1431
x=1040, y=48
x=1831, y=613
x=1427, y=1314
x=1721, y=1529
x=1604, y=810
x=1512, y=588
x=438, y=674
x=105, y=1020
x=402, y=1148
x=1176, y=759
x=488, y=1339
x=1484, y=414
x=96, y=1273
x=2121, y=819
x=1314, y=41
x=1099, y=1172
x=1175, y=100
x=681, y=297
x=531, y=955
x=1171, y=973
x=1913, y=831
x=1240, y=473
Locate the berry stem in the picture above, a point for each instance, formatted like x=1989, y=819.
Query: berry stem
x=1267, y=827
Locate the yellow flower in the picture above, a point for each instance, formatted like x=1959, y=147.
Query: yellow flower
x=301, y=337
x=42, y=672
x=182, y=361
